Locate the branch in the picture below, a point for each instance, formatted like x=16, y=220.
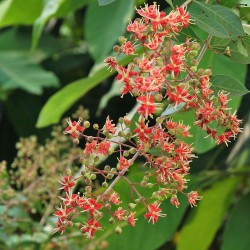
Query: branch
x=121, y=174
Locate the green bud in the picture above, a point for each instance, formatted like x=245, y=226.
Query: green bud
x=86, y=124
x=118, y=230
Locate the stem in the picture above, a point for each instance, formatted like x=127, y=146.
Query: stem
x=121, y=174
x=204, y=48
x=132, y=186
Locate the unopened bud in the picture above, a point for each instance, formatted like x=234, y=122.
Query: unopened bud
x=122, y=39
x=118, y=230
x=207, y=72
x=111, y=221
x=86, y=124
x=76, y=141
x=68, y=172
x=116, y=48
x=96, y=126
x=131, y=205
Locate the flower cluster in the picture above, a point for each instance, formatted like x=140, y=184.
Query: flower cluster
x=166, y=72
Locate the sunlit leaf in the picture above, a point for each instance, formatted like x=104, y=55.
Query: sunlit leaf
x=204, y=221
x=14, y=12
x=17, y=70
x=53, y=8
x=99, y=18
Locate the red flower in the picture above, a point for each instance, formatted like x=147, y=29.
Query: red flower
x=90, y=228
x=123, y=163
x=104, y=147
x=153, y=212
x=193, y=197
x=148, y=105
x=119, y=213
x=127, y=48
x=109, y=127
x=67, y=182
x=62, y=213
x=74, y=128
x=131, y=219
x=90, y=205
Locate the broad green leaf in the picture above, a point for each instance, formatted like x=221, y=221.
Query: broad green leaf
x=211, y=26
x=236, y=55
x=15, y=39
x=67, y=96
x=236, y=234
x=172, y=109
x=15, y=12
x=234, y=87
x=103, y=29
x=242, y=48
x=17, y=70
x=224, y=17
x=147, y=236
x=219, y=64
x=204, y=221
x=53, y=8
x=229, y=3
x=105, y=2
x=245, y=13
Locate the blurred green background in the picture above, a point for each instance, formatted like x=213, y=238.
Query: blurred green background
x=51, y=61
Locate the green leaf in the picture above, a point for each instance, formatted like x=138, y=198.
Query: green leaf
x=64, y=98
x=17, y=70
x=147, y=236
x=105, y=2
x=242, y=48
x=206, y=219
x=172, y=109
x=227, y=83
x=170, y=2
x=218, y=64
x=245, y=13
x=53, y=8
x=103, y=29
x=229, y=3
x=211, y=26
x=15, y=12
x=236, y=234
x=224, y=17
x=237, y=55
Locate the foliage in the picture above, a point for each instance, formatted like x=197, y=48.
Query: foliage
x=51, y=60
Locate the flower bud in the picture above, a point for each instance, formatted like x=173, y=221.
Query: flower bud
x=116, y=48
x=105, y=184
x=68, y=172
x=86, y=124
x=96, y=126
x=111, y=221
x=126, y=153
x=76, y=141
x=92, y=177
x=193, y=68
x=132, y=205
x=122, y=39
x=108, y=206
x=118, y=230
x=207, y=72
x=132, y=151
